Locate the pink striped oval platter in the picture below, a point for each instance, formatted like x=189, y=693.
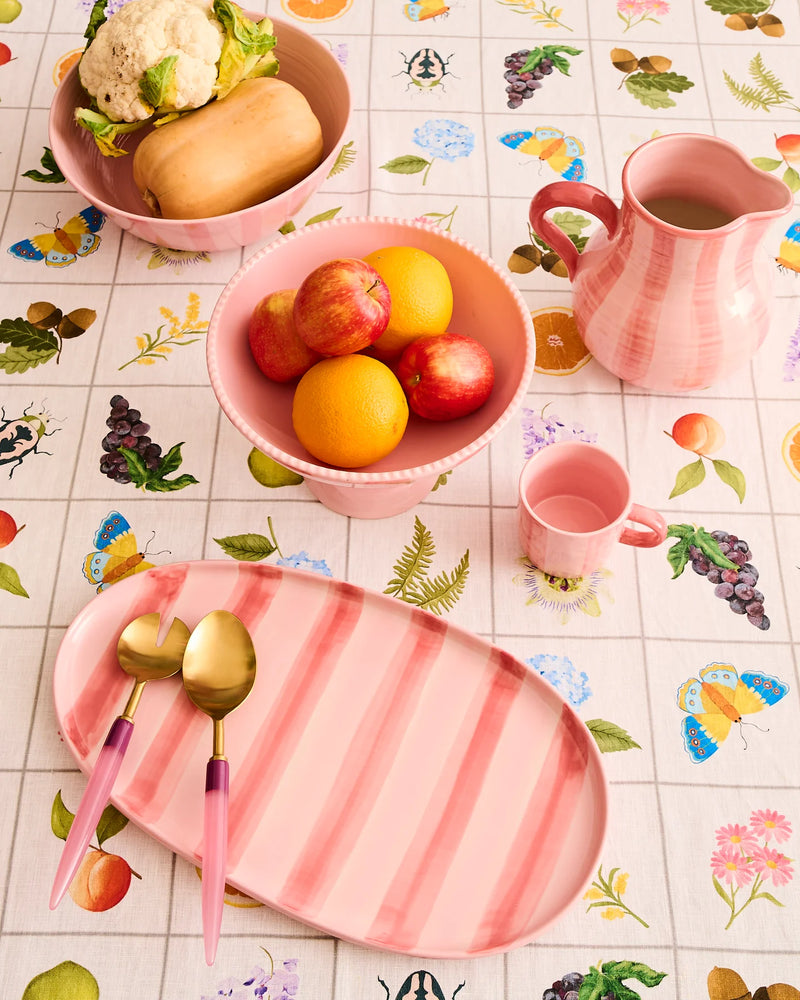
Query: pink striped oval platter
x=442, y=799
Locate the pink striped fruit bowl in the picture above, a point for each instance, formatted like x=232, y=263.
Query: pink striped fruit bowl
x=486, y=306
x=396, y=780
x=107, y=182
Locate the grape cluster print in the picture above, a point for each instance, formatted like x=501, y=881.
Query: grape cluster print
x=725, y=560
x=126, y=429
x=521, y=83
x=131, y=456
x=736, y=586
x=605, y=982
x=565, y=988
x=525, y=70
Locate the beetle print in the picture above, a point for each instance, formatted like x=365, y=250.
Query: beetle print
x=414, y=986
x=426, y=68
x=21, y=436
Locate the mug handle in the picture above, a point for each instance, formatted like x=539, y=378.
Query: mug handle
x=650, y=519
x=570, y=194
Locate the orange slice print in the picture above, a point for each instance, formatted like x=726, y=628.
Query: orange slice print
x=316, y=10
x=790, y=449
x=65, y=63
x=559, y=348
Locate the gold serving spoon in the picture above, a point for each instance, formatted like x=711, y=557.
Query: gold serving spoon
x=140, y=656
x=219, y=668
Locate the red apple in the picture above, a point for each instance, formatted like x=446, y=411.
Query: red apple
x=275, y=344
x=343, y=306
x=445, y=376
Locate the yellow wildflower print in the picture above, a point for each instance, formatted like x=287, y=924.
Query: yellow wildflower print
x=605, y=894
x=621, y=884
x=173, y=332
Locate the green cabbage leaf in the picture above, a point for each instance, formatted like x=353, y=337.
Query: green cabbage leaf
x=246, y=50
x=104, y=131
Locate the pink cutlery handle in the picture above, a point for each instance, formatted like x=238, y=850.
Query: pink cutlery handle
x=570, y=194
x=215, y=849
x=92, y=803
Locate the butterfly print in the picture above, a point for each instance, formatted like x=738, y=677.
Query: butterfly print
x=560, y=152
x=116, y=554
x=64, y=245
x=719, y=698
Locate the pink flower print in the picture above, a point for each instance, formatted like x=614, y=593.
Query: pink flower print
x=768, y=823
x=729, y=865
x=738, y=836
x=658, y=7
x=771, y=864
x=630, y=7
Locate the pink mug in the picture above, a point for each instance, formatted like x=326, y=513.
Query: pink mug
x=574, y=500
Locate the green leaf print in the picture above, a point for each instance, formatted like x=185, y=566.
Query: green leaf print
x=738, y=6
x=408, y=164
x=653, y=89
x=111, y=822
x=731, y=476
x=248, y=547
x=766, y=163
x=10, y=581
x=688, y=477
x=609, y=737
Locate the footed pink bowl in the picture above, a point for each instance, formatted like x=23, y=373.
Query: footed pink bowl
x=486, y=306
x=107, y=182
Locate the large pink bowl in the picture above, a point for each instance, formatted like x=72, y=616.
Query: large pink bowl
x=107, y=182
x=487, y=306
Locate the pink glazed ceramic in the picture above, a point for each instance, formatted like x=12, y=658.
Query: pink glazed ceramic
x=574, y=500
x=674, y=293
x=107, y=181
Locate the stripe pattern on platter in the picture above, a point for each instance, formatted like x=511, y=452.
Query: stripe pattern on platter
x=395, y=780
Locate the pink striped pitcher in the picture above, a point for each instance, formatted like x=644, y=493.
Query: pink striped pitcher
x=674, y=293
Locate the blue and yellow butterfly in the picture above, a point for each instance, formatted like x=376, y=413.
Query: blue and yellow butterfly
x=719, y=698
x=789, y=252
x=550, y=145
x=422, y=10
x=116, y=554
x=64, y=244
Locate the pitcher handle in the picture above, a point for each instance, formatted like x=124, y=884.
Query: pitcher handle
x=570, y=194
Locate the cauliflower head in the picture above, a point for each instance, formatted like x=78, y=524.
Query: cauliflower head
x=153, y=55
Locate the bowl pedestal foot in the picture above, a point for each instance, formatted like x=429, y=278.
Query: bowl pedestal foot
x=371, y=500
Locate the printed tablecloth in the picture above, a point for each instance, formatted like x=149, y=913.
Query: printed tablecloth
x=697, y=872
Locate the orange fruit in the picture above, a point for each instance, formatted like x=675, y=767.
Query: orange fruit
x=559, y=348
x=349, y=411
x=65, y=63
x=422, y=296
x=790, y=449
x=316, y=10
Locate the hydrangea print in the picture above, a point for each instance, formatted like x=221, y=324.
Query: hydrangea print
x=302, y=560
x=111, y=7
x=444, y=139
x=791, y=363
x=441, y=139
x=539, y=430
x=560, y=671
x=260, y=984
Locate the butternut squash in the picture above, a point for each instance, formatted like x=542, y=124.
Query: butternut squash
x=230, y=154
